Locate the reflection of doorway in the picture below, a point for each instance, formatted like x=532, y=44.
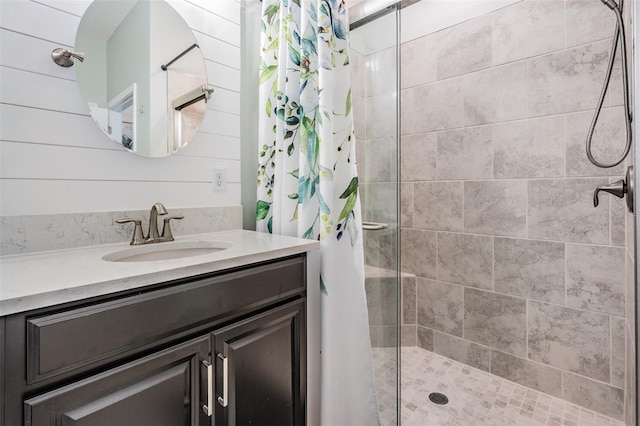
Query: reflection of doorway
x=121, y=118
x=186, y=112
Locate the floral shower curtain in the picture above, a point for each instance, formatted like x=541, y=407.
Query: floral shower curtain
x=308, y=184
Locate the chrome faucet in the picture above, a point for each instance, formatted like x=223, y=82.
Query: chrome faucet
x=156, y=209
x=152, y=235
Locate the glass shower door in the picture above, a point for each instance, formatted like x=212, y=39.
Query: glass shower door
x=374, y=60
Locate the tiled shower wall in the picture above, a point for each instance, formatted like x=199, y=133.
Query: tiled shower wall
x=374, y=87
x=517, y=273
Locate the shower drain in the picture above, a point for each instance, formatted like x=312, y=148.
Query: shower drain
x=438, y=398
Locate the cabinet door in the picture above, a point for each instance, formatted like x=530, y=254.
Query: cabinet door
x=161, y=389
x=264, y=382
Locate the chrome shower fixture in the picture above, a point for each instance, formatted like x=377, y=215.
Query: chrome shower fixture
x=63, y=57
x=619, y=34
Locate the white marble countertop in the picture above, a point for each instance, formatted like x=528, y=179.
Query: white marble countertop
x=36, y=280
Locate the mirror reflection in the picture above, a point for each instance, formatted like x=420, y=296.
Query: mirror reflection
x=143, y=76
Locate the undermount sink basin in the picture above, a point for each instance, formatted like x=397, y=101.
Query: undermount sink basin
x=166, y=251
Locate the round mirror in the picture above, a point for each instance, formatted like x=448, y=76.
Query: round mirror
x=143, y=75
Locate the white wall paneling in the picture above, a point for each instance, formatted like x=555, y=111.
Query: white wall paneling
x=223, y=76
x=54, y=159
x=38, y=20
x=224, y=100
x=63, y=196
x=228, y=9
x=206, y=22
x=218, y=51
x=61, y=162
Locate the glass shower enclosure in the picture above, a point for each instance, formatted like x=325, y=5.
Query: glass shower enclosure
x=374, y=60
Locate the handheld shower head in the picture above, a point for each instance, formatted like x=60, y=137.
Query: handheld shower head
x=611, y=4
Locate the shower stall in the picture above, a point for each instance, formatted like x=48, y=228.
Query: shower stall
x=497, y=292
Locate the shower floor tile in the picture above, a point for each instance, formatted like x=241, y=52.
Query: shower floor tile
x=476, y=398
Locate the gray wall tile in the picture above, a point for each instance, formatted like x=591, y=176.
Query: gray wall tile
x=617, y=214
x=359, y=107
x=618, y=348
x=388, y=336
x=464, y=48
x=382, y=297
x=615, y=95
x=608, y=142
x=374, y=335
x=495, y=207
x=435, y=106
x=379, y=156
x=465, y=259
x=596, y=278
x=419, y=157
x=408, y=116
x=493, y=95
x=408, y=335
x=566, y=81
x=381, y=65
x=562, y=209
x=527, y=373
x=381, y=116
x=381, y=248
x=529, y=148
x=380, y=203
x=409, y=298
x=630, y=293
x=424, y=337
x=358, y=67
x=406, y=209
x=440, y=306
x=516, y=26
x=630, y=381
x=419, y=252
x=631, y=236
x=462, y=351
x=438, y=206
x=419, y=61
x=465, y=154
x=569, y=339
x=531, y=269
x=593, y=395
x=495, y=320
x=586, y=23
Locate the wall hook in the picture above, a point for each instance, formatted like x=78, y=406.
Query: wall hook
x=63, y=56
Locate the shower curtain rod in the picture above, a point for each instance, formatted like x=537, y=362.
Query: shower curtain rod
x=187, y=50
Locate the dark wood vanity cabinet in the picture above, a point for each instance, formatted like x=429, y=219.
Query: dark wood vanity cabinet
x=227, y=348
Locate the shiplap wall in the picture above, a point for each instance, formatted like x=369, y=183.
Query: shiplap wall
x=54, y=159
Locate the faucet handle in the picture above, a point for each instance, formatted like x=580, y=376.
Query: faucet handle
x=138, y=236
x=166, y=228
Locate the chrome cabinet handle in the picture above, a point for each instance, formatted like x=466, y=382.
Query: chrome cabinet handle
x=619, y=189
x=223, y=400
x=208, y=409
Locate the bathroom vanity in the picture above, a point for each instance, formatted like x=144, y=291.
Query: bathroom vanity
x=218, y=338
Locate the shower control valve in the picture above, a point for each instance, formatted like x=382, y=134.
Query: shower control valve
x=619, y=189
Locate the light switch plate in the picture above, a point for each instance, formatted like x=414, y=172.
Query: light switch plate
x=218, y=179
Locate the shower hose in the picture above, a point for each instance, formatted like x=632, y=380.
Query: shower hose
x=619, y=33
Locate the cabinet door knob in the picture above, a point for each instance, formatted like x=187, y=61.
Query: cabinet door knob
x=223, y=400
x=208, y=409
